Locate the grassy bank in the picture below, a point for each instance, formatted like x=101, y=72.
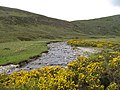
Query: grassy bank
x=99, y=72
x=15, y=52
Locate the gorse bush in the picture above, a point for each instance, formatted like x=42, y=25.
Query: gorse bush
x=99, y=43
x=99, y=72
x=47, y=78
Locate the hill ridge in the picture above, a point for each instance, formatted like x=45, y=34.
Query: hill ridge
x=100, y=26
x=19, y=25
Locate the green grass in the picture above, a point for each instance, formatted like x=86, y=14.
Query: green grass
x=15, y=52
x=107, y=26
x=18, y=25
x=20, y=32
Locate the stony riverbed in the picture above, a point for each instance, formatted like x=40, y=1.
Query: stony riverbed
x=58, y=54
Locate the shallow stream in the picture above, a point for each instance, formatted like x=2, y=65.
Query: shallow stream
x=58, y=54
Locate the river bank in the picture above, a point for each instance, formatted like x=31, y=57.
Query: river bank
x=59, y=53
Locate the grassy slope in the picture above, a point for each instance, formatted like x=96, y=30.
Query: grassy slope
x=18, y=25
x=103, y=26
x=15, y=52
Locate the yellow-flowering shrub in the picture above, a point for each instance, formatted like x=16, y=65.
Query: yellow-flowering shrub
x=98, y=43
x=99, y=72
x=113, y=86
x=44, y=78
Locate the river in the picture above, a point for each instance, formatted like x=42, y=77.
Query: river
x=58, y=54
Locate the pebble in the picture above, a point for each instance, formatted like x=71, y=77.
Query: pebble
x=8, y=68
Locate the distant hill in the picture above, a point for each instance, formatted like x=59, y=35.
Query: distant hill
x=102, y=26
x=21, y=25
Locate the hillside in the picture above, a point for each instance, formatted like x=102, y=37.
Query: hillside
x=18, y=25
x=102, y=26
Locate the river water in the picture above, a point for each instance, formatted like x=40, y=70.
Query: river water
x=58, y=54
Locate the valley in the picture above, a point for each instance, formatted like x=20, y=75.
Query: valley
x=43, y=53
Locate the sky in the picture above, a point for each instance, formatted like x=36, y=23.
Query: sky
x=67, y=9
